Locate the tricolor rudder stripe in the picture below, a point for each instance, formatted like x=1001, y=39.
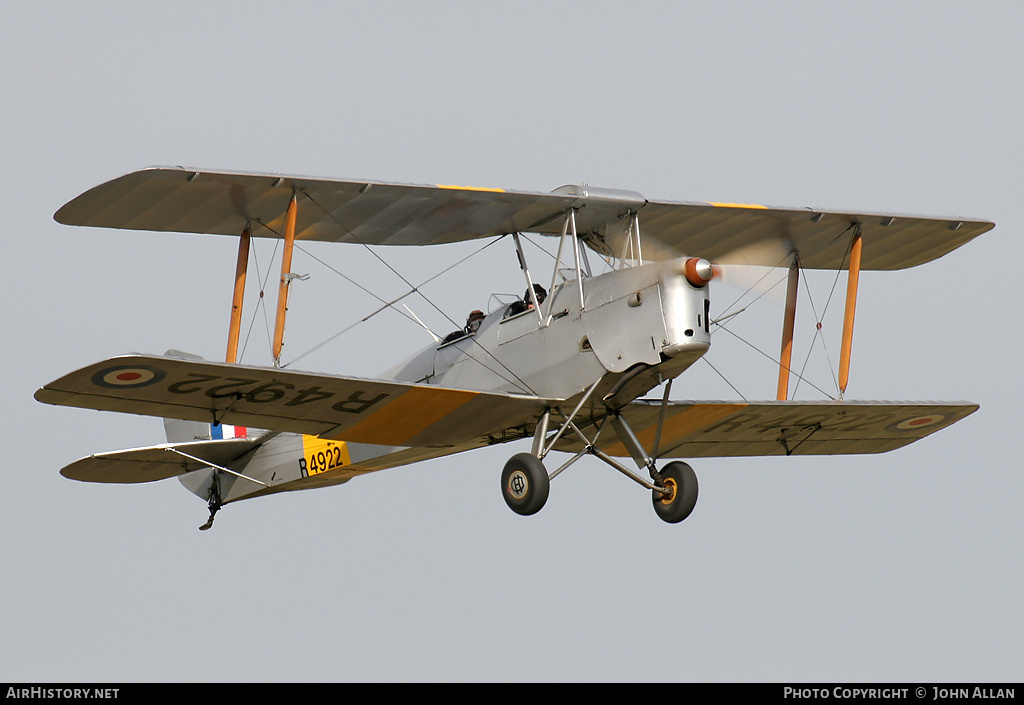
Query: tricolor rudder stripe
x=220, y=431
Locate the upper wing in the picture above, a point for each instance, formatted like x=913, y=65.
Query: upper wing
x=722, y=429
x=716, y=230
x=339, y=408
x=176, y=199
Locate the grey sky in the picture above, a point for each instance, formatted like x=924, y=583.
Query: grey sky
x=900, y=567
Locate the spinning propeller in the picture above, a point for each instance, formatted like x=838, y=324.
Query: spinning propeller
x=743, y=267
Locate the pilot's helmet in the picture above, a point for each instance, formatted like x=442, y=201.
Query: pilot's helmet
x=539, y=291
x=473, y=322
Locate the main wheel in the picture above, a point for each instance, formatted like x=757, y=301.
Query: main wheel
x=681, y=482
x=524, y=484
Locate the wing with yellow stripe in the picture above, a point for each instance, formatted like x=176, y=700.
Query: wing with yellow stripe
x=721, y=429
x=821, y=238
x=336, y=408
x=177, y=199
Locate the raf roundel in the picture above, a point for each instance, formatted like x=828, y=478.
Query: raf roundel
x=127, y=377
x=917, y=422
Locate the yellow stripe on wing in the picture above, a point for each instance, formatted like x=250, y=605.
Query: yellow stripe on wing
x=473, y=188
x=739, y=205
x=406, y=416
x=679, y=426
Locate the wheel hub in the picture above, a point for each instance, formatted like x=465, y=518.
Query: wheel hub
x=518, y=484
x=670, y=494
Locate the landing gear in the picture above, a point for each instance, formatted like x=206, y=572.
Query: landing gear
x=524, y=484
x=213, y=500
x=681, y=482
x=214, y=508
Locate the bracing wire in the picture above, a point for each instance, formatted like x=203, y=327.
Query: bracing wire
x=518, y=381
x=386, y=304
x=724, y=378
x=818, y=326
x=818, y=320
x=762, y=352
x=718, y=323
x=261, y=304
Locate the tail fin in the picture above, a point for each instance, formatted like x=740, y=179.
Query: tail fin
x=202, y=480
x=186, y=431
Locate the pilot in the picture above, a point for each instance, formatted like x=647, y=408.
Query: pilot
x=472, y=324
x=526, y=303
x=539, y=291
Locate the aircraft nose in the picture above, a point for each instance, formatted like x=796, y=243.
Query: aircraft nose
x=698, y=271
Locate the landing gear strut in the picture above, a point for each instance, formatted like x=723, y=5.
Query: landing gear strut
x=525, y=482
x=213, y=500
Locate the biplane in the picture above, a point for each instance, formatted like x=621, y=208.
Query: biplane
x=567, y=367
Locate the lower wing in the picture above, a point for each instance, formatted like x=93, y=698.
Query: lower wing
x=369, y=411
x=693, y=429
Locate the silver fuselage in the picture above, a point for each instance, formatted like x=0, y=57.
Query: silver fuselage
x=647, y=316
x=625, y=331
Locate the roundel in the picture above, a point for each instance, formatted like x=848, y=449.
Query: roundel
x=916, y=422
x=128, y=376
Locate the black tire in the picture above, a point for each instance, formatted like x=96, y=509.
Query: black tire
x=676, y=506
x=524, y=484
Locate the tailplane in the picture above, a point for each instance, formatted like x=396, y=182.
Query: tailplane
x=159, y=462
x=193, y=453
